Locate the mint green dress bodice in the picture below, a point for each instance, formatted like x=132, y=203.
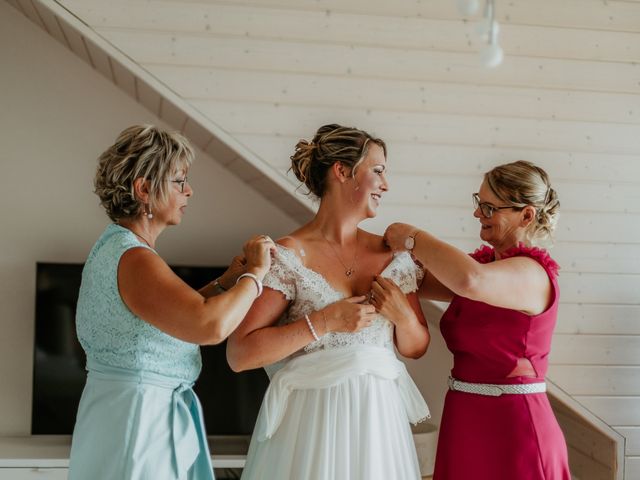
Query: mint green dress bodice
x=110, y=333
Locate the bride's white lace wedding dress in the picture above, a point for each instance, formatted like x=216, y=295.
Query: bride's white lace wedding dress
x=340, y=408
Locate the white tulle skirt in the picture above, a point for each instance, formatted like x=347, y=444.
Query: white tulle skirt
x=354, y=426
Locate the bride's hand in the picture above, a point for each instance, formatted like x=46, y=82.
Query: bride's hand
x=349, y=315
x=390, y=301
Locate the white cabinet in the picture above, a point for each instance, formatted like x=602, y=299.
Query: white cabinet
x=33, y=474
x=46, y=457
x=34, y=457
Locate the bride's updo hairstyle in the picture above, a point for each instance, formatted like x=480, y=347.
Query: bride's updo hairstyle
x=522, y=184
x=331, y=143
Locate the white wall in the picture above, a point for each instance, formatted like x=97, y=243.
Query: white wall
x=567, y=97
x=57, y=116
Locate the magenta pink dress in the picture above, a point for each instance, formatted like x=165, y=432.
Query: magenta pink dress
x=511, y=436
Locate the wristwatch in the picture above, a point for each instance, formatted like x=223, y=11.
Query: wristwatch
x=410, y=241
x=218, y=286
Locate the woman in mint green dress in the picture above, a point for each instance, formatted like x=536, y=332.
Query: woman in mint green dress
x=141, y=326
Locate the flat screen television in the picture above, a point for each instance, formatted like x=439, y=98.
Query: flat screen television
x=230, y=400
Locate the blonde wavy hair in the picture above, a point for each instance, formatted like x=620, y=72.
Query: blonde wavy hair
x=521, y=184
x=331, y=143
x=140, y=151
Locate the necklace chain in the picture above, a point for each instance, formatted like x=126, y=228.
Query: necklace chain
x=348, y=271
x=137, y=235
x=145, y=240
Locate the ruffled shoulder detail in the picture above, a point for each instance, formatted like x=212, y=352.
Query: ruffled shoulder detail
x=281, y=275
x=287, y=256
x=539, y=254
x=484, y=254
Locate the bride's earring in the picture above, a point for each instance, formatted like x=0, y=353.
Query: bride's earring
x=147, y=212
x=355, y=189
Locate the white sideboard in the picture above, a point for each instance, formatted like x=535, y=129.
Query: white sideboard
x=46, y=457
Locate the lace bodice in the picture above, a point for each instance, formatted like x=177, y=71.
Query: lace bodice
x=308, y=291
x=110, y=333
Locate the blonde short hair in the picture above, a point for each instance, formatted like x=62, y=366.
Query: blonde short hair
x=140, y=151
x=521, y=184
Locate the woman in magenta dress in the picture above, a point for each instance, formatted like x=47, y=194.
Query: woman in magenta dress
x=497, y=422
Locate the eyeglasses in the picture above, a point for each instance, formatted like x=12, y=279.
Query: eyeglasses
x=486, y=208
x=181, y=183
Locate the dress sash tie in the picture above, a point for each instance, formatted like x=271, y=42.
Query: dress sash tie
x=327, y=368
x=187, y=426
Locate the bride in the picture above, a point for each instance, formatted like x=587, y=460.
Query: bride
x=339, y=402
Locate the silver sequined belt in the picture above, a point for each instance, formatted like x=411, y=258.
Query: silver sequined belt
x=495, y=390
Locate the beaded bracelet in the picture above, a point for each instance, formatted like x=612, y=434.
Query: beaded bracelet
x=255, y=280
x=313, y=330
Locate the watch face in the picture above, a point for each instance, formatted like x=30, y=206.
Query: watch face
x=409, y=243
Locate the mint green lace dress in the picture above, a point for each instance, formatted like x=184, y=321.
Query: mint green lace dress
x=138, y=417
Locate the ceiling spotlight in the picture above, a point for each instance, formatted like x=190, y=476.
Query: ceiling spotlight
x=486, y=27
x=468, y=7
x=491, y=55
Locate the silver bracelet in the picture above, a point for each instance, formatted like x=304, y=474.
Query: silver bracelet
x=313, y=330
x=255, y=280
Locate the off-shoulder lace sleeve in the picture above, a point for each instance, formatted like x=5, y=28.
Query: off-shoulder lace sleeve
x=404, y=271
x=419, y=273
x=538, y=254
x=281, y=275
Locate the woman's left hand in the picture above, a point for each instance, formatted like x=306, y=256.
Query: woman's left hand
x=396, y=234
x=390, y=301
x=237, y=267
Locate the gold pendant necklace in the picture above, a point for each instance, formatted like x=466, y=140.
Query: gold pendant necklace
x=348, y=271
